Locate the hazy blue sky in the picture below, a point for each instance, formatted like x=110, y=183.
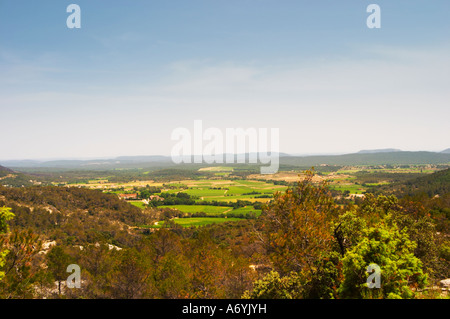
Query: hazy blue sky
x=136, y=70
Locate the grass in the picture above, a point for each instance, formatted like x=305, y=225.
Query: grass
x=246, y=210
x=235, y=190
x=352, y=188
x=235, y=198
x=213, y=210
x=197, y=221
x=199, y=208
x=217, y=169
x=239, y=190
x=377, y=184
x=139, y=204
x=221, y=174
x=204, y=192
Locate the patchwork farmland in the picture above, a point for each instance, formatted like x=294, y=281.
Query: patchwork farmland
x=223, y=198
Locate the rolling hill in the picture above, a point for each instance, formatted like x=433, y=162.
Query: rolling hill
x=5, y=171
x=17, y=179
x=384, y=150
x=364, y=157
x=434, y=184
x=388, y=158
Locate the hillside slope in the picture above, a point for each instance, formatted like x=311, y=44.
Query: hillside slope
x=77, y=214
x=383, y=150
x=434, y=184
x=389, y=158
x=5, y=171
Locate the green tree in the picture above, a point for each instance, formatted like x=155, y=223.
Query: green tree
x=393, y=251
x=5, y=215
x=415, y=219
x=131, y=278
x=57, y=262
x=348, y=230
x=97, y=263
x=22, y=264
x=274, y=286
x=297, y=226
x=172, y=276
x=421, y=228
x=324, y=282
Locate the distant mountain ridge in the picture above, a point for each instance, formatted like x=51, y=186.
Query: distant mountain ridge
x=446, y=151
x=389, y=158
x=383, y=150
x=366, y=157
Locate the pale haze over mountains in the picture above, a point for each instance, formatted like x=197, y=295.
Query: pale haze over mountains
x=363, y=157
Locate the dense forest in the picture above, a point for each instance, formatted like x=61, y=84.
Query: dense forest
x=431, y=191
x=304, y=245
x=431, y=185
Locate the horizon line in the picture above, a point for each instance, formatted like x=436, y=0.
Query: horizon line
x=112, y=157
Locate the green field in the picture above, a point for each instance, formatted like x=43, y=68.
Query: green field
x=217, y=169
x=197, y=221
x=199, y=208
x=231, y=190
x=377, y=184
x=246, y=210
x=204, y=192
x=213, y=210
x=352, y=188
x=222, y=174
x=233, y=199
x=139, y=204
